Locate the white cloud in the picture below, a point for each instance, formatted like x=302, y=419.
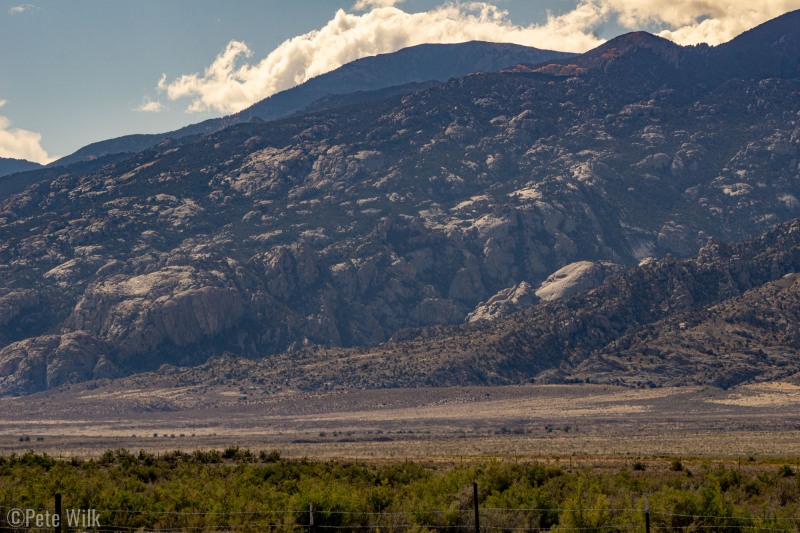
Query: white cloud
x=22, y=8
x=150, y=106
x=696, y=21
x=21, y=144
x=233, y=82
x=230, y=84
x=362, y=5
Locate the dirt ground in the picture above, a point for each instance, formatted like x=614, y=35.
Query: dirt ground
x=559, y=421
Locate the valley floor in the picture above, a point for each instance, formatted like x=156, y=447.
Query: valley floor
x=433, y=424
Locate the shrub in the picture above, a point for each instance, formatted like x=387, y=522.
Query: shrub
x=272, y=457
x=231, y=452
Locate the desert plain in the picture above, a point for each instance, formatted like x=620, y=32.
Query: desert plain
x=563, y=422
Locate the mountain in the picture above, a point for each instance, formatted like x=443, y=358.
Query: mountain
x=730, y=315
x=770, y=50
x=12, y=166
x=362, y=79
x=354, y=225
x=626, y=55
x=415, y=64
x=726, y=316
x=17, y=182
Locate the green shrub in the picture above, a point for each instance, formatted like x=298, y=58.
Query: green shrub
x=228, y=490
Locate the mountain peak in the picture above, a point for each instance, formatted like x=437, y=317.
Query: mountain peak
x=637, y=39
x=633, y=43
x=638, y=47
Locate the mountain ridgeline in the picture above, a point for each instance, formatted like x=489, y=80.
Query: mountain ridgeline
x=12, y=166
x=362, y=81
x=461, y=201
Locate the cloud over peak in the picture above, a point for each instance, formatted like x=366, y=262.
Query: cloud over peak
x=713, y=21
x=696, y=21
x=233, y=82
x=230, y=84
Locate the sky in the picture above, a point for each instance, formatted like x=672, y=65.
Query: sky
x=73, y=72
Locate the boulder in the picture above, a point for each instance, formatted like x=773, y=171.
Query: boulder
x=574, y=278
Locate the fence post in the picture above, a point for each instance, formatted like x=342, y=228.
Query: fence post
x=475, y=503
x=57, y=514
x=310, y=516
x=646, y=515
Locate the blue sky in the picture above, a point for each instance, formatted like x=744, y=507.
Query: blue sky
x=75, y=72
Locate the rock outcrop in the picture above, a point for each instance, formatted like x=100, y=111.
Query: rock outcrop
x=178, y=305
x=574, y=278
x=52, y=360
x=504, y=303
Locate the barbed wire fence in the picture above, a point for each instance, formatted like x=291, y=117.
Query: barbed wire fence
x=316, y=520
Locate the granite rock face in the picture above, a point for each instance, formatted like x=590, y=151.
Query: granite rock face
x=52, y=360
x=725, y=317
x=175, y=305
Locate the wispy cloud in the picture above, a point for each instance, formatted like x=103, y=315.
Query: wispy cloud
x=150, y=106
x=233, y=82
x=21, y=144
x=22, y=8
